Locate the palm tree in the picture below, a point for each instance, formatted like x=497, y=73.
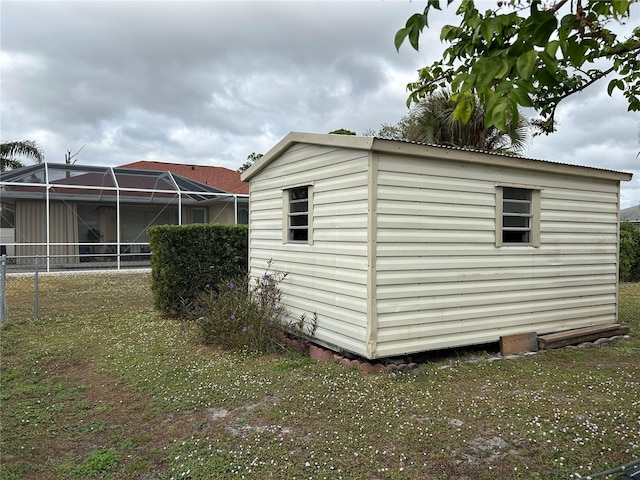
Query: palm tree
x=12, y=152
x=431, y=121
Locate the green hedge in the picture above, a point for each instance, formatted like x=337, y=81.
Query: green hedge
x=188, y=259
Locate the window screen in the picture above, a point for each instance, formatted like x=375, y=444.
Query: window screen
x=517, y=215
x=298, y=215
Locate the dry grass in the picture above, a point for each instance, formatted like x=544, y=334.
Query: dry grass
x=101, y=386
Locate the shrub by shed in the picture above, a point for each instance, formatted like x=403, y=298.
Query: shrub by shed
x=186, y=259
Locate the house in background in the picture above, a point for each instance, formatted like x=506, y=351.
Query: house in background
x=221, y=178
x=75, y=214
x=402, y=248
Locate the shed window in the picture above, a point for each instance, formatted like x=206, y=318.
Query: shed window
x=298, y=225
x=517, y=221
x=516, y=215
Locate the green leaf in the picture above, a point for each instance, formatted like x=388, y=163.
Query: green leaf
x=611, y=86
x=568, y=23
x=615, y=83
x=503, y=87
x=400, y=36
x=521, y=97
x=544, y=24
x=449, y=33
x=414, y=38
x=505, y=67
x=551, y=63
x=552, y=47
x=575, y=51
x=487, y=28
x=526, y=64
x=469, y=83
x=621, y=7
x=435, y=4
x=458, y=80
x=500, y=114
x=487, y=69
x=412, y=29
x=545, y=78
x=526, y=86
x=464, y=106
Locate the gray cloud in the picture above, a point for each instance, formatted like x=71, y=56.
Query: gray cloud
x=211, y=82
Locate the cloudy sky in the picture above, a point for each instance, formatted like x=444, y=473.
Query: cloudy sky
x=209, y=82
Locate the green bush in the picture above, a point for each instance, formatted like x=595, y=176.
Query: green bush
x=629, y=253
x=242, y=314
x=188, y=259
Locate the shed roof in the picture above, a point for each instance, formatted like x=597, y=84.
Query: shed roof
x=217, y=177
x=421, y=150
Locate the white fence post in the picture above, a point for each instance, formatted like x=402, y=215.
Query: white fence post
x=35, y=289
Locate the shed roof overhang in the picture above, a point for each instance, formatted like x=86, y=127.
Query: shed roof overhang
x=425, y=151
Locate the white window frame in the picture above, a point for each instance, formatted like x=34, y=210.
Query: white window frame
x=533, y=215
x=288, y=213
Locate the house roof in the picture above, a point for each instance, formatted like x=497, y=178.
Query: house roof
x=426, y=151
x=101, y=182
x=217, y=177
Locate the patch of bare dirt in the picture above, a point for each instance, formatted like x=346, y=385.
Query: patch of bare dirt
x=110, y=415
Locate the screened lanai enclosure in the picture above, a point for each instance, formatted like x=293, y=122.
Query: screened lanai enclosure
x=72, y=216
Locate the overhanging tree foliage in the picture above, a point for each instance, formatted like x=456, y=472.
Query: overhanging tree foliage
x=528, y=53
x=431, y=121
x=343, y=131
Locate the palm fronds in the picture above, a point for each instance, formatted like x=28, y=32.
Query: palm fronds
x=431, y=121
x=11, y=154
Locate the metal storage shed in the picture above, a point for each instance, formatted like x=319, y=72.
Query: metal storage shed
x=403, y=248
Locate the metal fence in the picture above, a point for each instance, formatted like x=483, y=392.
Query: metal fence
x=22, y=278
x=86, y=258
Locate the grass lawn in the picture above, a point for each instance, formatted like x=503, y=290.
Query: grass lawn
x=101, y=386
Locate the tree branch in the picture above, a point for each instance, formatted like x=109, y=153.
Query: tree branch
x=585, y=85
x=558, y=6
x=621, y=49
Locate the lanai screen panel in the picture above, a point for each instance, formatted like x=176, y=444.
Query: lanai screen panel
x=84, y=211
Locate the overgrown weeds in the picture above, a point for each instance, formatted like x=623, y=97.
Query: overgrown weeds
x=248, y=314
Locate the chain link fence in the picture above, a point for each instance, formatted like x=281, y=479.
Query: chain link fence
x=28, y=284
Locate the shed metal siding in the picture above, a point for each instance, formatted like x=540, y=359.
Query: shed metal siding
x=441, y=280
x=328, y=277
x=405, y=256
